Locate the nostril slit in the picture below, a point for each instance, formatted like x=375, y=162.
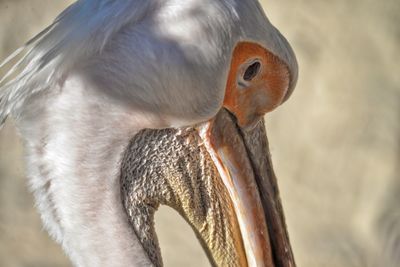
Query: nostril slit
x=252, y=71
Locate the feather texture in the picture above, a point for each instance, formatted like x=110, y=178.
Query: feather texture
x=103, y=71
x=151, y=51
x=79, y=32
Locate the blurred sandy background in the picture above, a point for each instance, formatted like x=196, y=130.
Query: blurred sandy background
x=335, y=144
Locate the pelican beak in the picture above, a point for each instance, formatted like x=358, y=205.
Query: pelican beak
x=237, y=143
x=219, y=177
x=218, y=174
x=243, y=161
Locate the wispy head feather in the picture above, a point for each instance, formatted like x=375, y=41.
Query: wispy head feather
x=80, y=31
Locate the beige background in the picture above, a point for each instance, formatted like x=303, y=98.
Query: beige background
x=335, y=144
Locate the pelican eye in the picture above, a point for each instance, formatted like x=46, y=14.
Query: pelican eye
x=252, y=71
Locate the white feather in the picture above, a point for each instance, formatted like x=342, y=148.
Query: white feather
x=101, y=72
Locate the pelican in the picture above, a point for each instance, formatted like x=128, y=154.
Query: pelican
x=124, y=106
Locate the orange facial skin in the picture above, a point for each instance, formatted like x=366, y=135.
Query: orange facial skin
x=258, y=82
x=250, y=100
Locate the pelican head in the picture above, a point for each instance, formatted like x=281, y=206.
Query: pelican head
x=124, y=106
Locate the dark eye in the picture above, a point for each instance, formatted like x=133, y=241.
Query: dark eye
x=252, y=71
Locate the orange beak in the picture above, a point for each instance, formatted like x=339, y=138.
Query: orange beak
x=236, y=139
x=218, y=175
x=243, y=162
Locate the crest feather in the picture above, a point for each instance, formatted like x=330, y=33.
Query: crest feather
x=79, y=32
